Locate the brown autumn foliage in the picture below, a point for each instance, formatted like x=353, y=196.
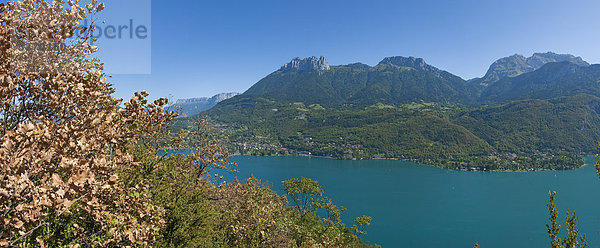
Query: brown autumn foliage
x=63, y=137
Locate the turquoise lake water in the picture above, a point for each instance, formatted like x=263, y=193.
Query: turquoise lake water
x=423, y=206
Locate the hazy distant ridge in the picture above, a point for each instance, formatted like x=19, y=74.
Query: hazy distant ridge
x=193, y=106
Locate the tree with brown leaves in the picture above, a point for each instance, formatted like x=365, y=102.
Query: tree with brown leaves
x=63, y=137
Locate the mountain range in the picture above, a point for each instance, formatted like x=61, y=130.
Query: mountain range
x=540, y=112
x=395, y=80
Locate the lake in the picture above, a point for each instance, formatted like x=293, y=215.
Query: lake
x=423, y=206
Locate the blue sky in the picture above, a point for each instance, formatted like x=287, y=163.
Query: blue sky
x=199, y=48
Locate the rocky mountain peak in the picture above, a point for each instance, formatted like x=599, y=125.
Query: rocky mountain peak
x=537, y=60
x=411, y=62
x=308, y=64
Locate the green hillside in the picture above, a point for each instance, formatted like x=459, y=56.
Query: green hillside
x=570, y=124
x=522, y=135
x=366, y=133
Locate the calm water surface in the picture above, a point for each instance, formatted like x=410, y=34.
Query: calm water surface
x=422, y=206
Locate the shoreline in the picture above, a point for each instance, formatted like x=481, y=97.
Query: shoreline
x=421, y=164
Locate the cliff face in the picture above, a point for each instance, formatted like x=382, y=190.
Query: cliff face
x=540, y=59
x=308, y=64
x=222, y=96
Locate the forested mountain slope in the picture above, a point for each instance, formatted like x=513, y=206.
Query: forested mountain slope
x=404, y=108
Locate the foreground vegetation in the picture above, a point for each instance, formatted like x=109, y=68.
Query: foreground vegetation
x=203, y=211
x=80, y=168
